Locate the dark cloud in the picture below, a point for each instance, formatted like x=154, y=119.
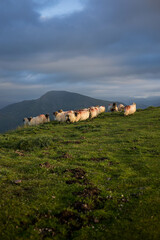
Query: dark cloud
x=114, y=45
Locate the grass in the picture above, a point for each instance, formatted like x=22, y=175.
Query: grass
x=97, y=179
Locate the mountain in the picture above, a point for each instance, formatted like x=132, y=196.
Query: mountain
x=149, y=101
x=12, y=115
x=140, y=102
x=4, y=103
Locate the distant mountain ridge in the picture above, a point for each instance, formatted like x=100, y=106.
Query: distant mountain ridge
x=140, y=102
x=12, y=115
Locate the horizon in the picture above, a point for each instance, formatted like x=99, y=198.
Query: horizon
x=144, y=101
x=98, y=48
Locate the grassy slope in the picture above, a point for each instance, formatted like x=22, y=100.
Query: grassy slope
x=96, y=179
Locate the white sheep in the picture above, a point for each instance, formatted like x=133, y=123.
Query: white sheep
x=25, y=121
x=72, y=117
x=38, y=120
x=120, y=107
x=61, y=115
x=47, y=119
x=78, y=115
x=82, y=115
x=93, y=112
x=112, y=107
x=102, y=109
x=130, y=109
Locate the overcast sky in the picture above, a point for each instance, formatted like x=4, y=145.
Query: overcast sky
x=99, y=48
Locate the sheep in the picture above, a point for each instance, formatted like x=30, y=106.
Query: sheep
x=61, y=115
x=82, y=115
x=33, y=121
x=43, y=118
x=47, y=119
x=78, y=115
x=102, y=109
x=112, y=107
x=94, y=111
x=38, y=120
x=109, y=107
x=130, y=109
x=97, y=110
x=25, y=121
x=72, y=117
x=120, y=107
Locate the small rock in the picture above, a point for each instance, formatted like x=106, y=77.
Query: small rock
x=20, y=153
x=108, y=179
x=96, y=220
x=82, y=137
x=17, y=181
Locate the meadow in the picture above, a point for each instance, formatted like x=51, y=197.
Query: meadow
x=97, y=179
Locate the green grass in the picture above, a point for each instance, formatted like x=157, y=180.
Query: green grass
x=97, y=179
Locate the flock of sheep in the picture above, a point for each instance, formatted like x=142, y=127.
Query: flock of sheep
x=79, y=115
x=128, y=110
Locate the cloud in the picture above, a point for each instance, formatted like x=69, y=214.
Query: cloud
x=59, y=9
x=98, y=47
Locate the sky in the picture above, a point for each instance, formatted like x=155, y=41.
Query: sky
x=100, y=48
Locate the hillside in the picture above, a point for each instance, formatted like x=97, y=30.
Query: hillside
x=97, y=179
x=12, y=115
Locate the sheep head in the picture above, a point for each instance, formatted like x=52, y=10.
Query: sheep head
x=55, y=113
x=29, y=119
x=47, y=115
x=60, y=110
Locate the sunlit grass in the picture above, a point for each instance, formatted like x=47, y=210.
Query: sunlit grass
x=96, y=179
